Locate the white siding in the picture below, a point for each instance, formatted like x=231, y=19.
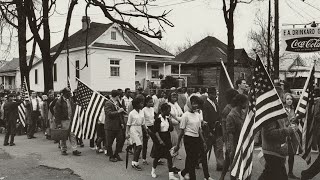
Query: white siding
x=100, y=63
x=40, y=86
x=106, y=38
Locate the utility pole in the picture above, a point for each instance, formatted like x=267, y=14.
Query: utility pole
x=276, y=40
x=269, y=34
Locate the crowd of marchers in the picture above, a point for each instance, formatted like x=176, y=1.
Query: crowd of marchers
x=169, y=119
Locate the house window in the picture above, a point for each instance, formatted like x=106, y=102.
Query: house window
x=242, y=75
x=115, y=67
x=77, y=69
x=113, y=35
x=10, y=80
x=154, y=71
x=36, y=76
x=55, y=72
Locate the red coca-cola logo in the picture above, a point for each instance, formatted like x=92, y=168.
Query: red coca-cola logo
x=303, y=44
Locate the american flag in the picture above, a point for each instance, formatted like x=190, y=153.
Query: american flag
x=22, y=106
x=88, y=109
x=305, y=109
x=264, y=106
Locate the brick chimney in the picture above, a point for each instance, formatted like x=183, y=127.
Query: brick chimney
x=85, y=26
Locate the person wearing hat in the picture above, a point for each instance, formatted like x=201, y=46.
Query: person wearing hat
x=114, y=126
x=10, y=118
x=213, y=133
x=63, y=112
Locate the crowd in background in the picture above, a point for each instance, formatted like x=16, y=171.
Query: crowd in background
x=169, y=119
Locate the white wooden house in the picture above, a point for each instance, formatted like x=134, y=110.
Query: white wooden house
x=117, y=58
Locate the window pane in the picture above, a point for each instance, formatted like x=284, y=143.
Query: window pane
x=77, y=69
x=55, y=72
x=154, y=74
x=36, y=76
x=113, y=35
x=114, y=62
x=115, y=71
x=154, y=67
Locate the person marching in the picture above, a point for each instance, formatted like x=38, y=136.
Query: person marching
x=10, y=118
x=190, y=127
x=288, y=99
x=149, y=114
x=230, y=94
x=135, y=126
x=234, y=123
x=63, y=112
x=162, y=144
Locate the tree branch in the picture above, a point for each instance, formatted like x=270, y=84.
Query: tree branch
x=66, y=30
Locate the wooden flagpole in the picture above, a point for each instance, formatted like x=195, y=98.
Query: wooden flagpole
x=102, y=95
x=226, y=72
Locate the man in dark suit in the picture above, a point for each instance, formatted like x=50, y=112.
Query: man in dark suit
x=10, y=119
x=114, y=125
x=213, y=134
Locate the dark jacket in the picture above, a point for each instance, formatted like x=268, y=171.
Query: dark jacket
x=61, y=110
x=114, y=120
x=11, y=115
x=211, y=116
x=316, y=131
x=234, y=123
x=274, y=137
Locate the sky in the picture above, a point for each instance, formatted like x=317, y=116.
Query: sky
x=192, y=19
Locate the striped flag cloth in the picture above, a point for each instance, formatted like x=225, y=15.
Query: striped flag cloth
x=88, y=109
x=264, y=106
x=22, y=106
x=305, y=109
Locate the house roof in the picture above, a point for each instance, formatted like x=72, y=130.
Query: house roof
x=210, y=50
x=294, y=62
x=12, y=65
x=78, y=39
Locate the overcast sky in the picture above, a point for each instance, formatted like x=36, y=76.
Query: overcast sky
x=195, y=19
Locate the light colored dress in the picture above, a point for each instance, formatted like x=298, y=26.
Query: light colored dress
x=177, y=112
x=136, y=121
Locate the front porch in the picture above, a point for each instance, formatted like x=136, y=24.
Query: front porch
x=153, y=70
x=7, y=81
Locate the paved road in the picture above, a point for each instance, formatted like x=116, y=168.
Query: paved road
x=42, y=159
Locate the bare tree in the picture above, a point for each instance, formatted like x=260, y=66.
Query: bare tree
x=259, y=37
x=12, y=19
x=118, y=11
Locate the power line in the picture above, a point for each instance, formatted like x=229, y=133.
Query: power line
x=312, y=18
x=297, y=12
x=312, y=6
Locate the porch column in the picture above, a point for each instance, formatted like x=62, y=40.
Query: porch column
x=164, y=69
x=4, y=82
x=146, y=70
x=179, y=70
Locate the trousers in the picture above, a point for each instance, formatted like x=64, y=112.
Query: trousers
x=72, y=137
x=111, y=135
x=274, y=168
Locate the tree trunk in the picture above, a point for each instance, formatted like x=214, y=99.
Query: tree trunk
x=230, y=55
x=22, y=36
x=47, y=71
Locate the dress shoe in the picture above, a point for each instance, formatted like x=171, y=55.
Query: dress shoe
x=5, y=144
x=112, y=159
x=12, y=144
x=64, y=153
x=76, y=153
x=118, y=157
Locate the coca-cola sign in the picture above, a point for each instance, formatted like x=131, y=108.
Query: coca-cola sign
x=304, y=44
x=303, y=40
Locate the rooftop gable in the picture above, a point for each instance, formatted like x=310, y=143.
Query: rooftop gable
x=96, y=30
